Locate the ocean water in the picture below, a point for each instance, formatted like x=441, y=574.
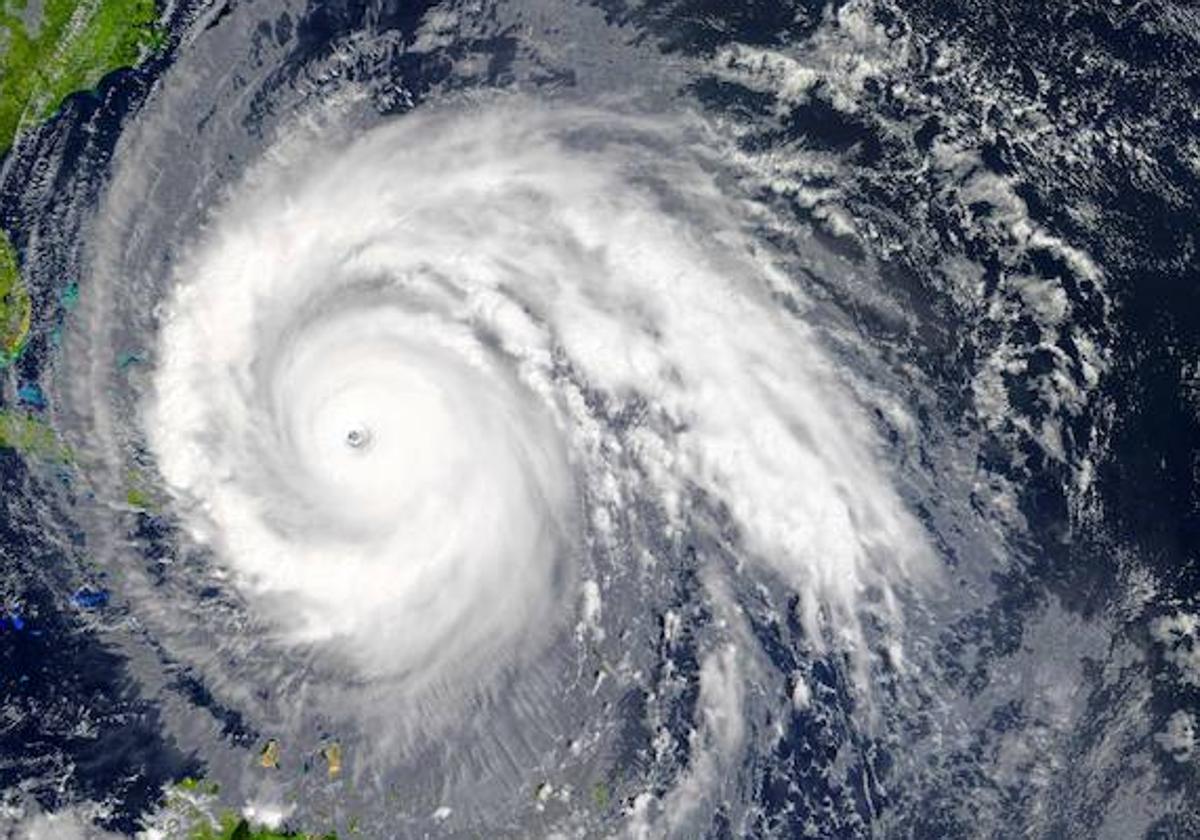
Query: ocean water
x=618, y=419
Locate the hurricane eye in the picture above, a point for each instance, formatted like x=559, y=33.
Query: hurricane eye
x=358, y=437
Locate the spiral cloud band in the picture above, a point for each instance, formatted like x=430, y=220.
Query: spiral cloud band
x=406, y=385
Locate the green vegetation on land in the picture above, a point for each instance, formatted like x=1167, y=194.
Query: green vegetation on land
x=30, y=436
x=199, y=786
x=233, y=827
x=15, y=309
x=191, y=807
x=137, y=498
x=601, y=795
x=138, y=492
x=50, y=49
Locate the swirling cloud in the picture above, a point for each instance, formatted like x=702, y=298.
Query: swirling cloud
x=402, y=384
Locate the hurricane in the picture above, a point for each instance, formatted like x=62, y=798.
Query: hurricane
x=426, y=399
x=652, y=421
x=373, y=376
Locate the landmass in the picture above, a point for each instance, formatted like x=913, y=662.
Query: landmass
x=50, y=49
x=332, y=754
x=191, y=803
x=15, y=307
x=31, y=436
x=138, y=492
x=233, y=827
